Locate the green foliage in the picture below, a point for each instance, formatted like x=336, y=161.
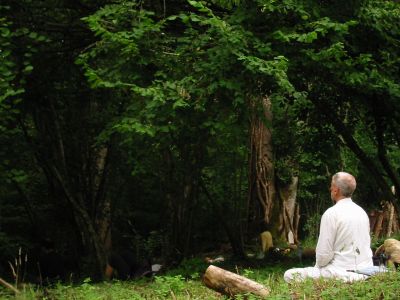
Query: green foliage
x=170, y=92
x=14, y=68
x=89, y=290
x=8, y=66
x=298, y=53
x=312, y=227
x=189, y=268
x=17, y=46
x=167, y=285
x=146, y=247
x=378, y=286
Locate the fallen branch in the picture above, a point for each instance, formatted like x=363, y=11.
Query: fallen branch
x=230, y=284
x=9, y=286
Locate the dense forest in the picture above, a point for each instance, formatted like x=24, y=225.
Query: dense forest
x=175, y=127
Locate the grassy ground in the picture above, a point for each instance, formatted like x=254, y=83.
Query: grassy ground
x=185, y=283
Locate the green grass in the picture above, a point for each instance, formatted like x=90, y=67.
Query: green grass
x=185, y=283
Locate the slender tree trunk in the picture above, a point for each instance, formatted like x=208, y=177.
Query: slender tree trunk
x=379, y=124
x=181, y=200
x=231, y=231
x=102, y=202
x=92, y=221
x=89, y=230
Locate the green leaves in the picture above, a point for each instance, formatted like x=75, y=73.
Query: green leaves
x=133, y=125
x=275, y=68
x=197, y=68
x=201, y=7
x=7, y=64
x=14, y=69
x=18, y=176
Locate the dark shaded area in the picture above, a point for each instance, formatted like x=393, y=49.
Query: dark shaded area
x=54, y=266
x=125, y=266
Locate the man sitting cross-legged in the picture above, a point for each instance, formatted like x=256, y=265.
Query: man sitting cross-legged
x=343, y=247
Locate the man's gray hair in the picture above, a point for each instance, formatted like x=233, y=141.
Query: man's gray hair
x=345, y=182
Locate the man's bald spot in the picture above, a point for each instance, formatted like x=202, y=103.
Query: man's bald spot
x=345, y=182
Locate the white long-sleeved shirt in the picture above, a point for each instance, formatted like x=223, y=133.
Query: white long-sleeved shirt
x=344, y=239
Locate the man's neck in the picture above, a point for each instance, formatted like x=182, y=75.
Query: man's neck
x=340, y=198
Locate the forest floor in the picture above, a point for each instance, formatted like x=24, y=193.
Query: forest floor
x=184, y=282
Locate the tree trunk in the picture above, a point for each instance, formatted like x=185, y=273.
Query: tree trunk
x=289, y=214
x=231, y=284
x=262, y=166
x=389, y=229
x=280, y=213
x=378, y=225
x=101, y=203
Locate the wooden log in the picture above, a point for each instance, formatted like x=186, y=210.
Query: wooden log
x=230, y=284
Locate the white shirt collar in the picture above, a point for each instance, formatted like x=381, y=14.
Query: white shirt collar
x=344, y=200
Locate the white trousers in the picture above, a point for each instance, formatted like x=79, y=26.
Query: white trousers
x=299, y=274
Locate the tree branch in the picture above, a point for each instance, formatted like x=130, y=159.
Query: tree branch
x=9, y=286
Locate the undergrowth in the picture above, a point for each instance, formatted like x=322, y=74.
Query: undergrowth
x=180, y=283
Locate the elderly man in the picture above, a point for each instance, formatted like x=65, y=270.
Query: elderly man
x=343, y=246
